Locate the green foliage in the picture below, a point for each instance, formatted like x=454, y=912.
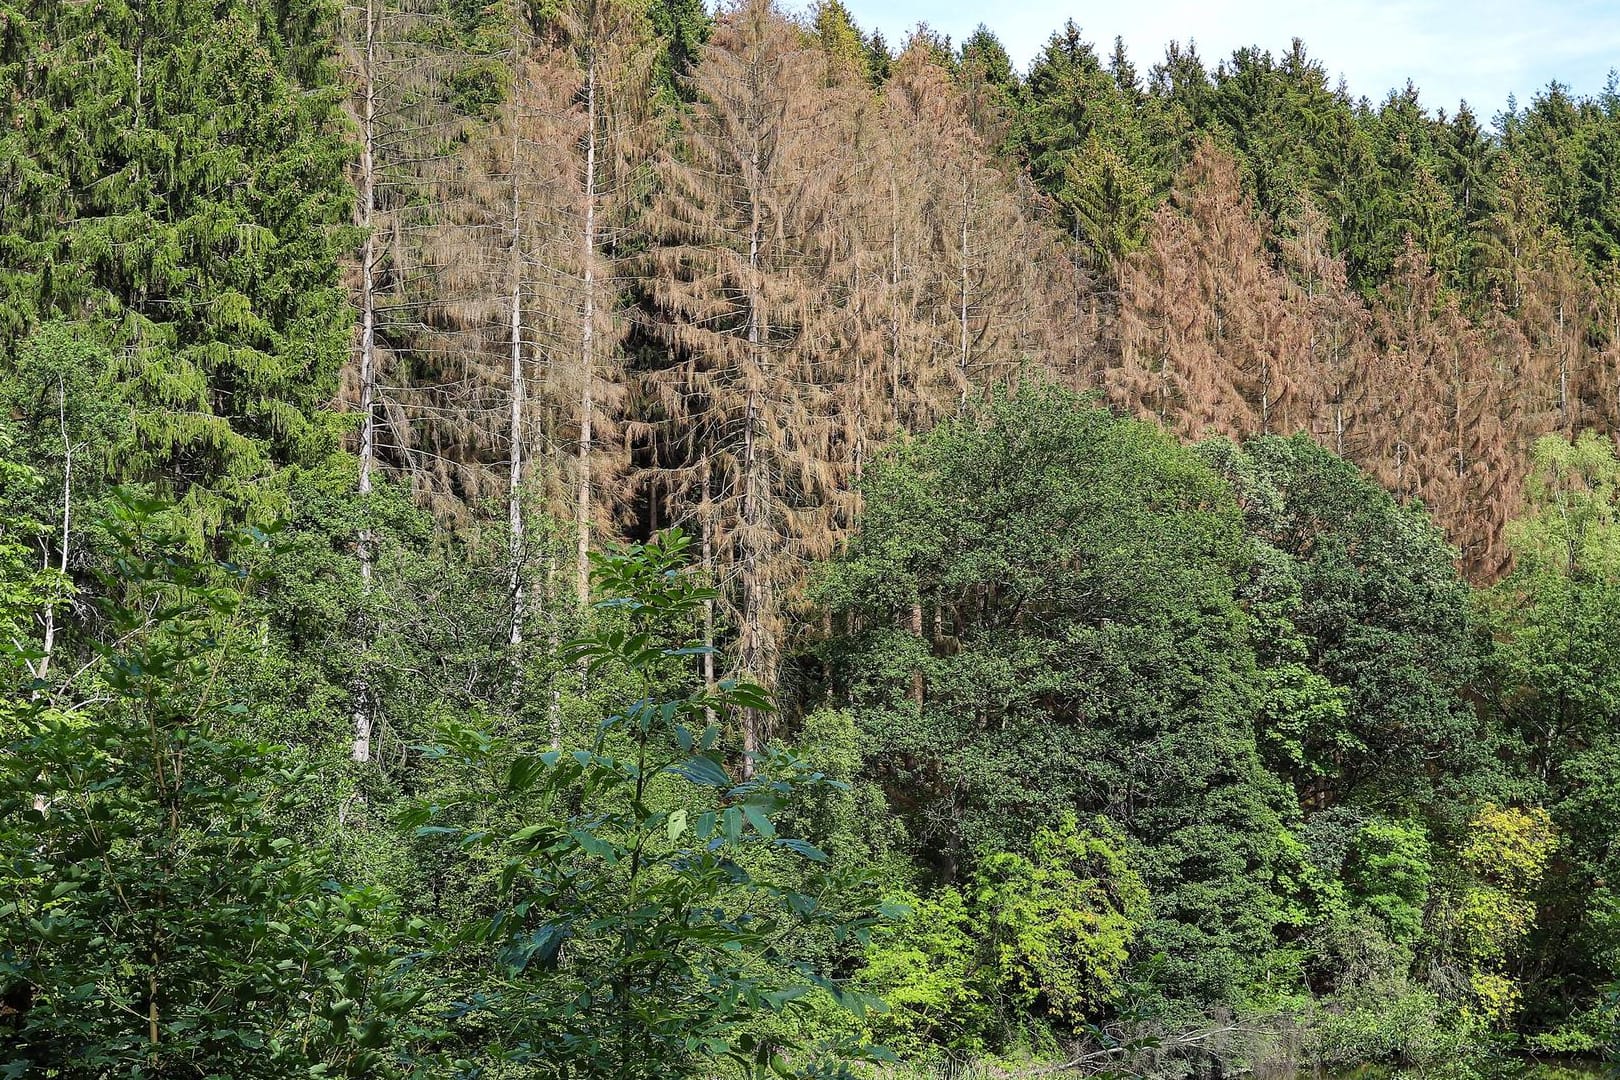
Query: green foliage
x=1406, y=1027
x=1091, y=145
x=682, y=27
x=983, y=50
x=1059, y=923
x=1138, y=733
x=849, y=817
x=1552, y=680
x=647, y=906
x=927, y=971
x=1390, y=873
x=840, y=39
x=60, y=402
x=428, y=634
x=178, y=202
x=1038, y=939
x=1038, y=619
x=24, y=586
x=1105, y=147
x=1364, y=629
x=159, y=918
x=1504, y=856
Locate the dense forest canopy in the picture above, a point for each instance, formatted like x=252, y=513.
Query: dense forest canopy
x=595, y=538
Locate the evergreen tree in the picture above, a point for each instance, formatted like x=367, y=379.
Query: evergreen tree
x=1086, y=146
x=177, y=190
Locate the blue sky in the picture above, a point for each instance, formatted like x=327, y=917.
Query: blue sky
x=1480, y=50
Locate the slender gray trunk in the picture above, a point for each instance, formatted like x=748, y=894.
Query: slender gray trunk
x=587, y=365
x=48, y=615
x=514, y=494
x=754, y=656
x=706, y=527
x=368, y=359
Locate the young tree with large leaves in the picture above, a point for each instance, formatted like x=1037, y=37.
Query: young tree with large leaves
x=162, y=915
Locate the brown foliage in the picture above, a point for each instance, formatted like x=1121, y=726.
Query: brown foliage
x=803, y=268
x=1212, y=341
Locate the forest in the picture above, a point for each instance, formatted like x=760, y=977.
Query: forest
x=611, y=539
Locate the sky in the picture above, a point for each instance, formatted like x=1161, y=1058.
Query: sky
x=1477, y=50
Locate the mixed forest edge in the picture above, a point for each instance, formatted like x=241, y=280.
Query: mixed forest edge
x=594, y=538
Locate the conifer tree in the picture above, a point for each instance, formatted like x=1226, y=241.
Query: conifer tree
x=418, y=86
x=1337, y=346
x=175, y=185
x=1444, y=435
x=1087, y=145
x=744, y=228
x=1209, y=338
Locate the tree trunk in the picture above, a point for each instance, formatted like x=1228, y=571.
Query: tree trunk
x=48, y=615
x=706, y=527
x=554, y=706
x=368, y=360
x=753, y=654
x=582, y=512
x=514, y=505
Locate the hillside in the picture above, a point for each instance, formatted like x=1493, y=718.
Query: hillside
x=595, y=539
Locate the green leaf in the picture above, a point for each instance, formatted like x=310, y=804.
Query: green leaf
x=702, y=770
x=595, y=845
x=805, y=848
x=756, y=818
x=522, y=773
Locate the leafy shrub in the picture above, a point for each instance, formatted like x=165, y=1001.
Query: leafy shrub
x=1038, y=938
x=649, y=909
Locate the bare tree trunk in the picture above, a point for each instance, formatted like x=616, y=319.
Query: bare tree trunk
x=368, y=360
x=554, y=706
x=48, y=614
x=514, y=506
x=706, y=528
x=1265, y=394
x=752, y=653
x=582, y=513
x=964, y=310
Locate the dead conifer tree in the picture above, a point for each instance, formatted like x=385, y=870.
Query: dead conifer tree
x=744, y=232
